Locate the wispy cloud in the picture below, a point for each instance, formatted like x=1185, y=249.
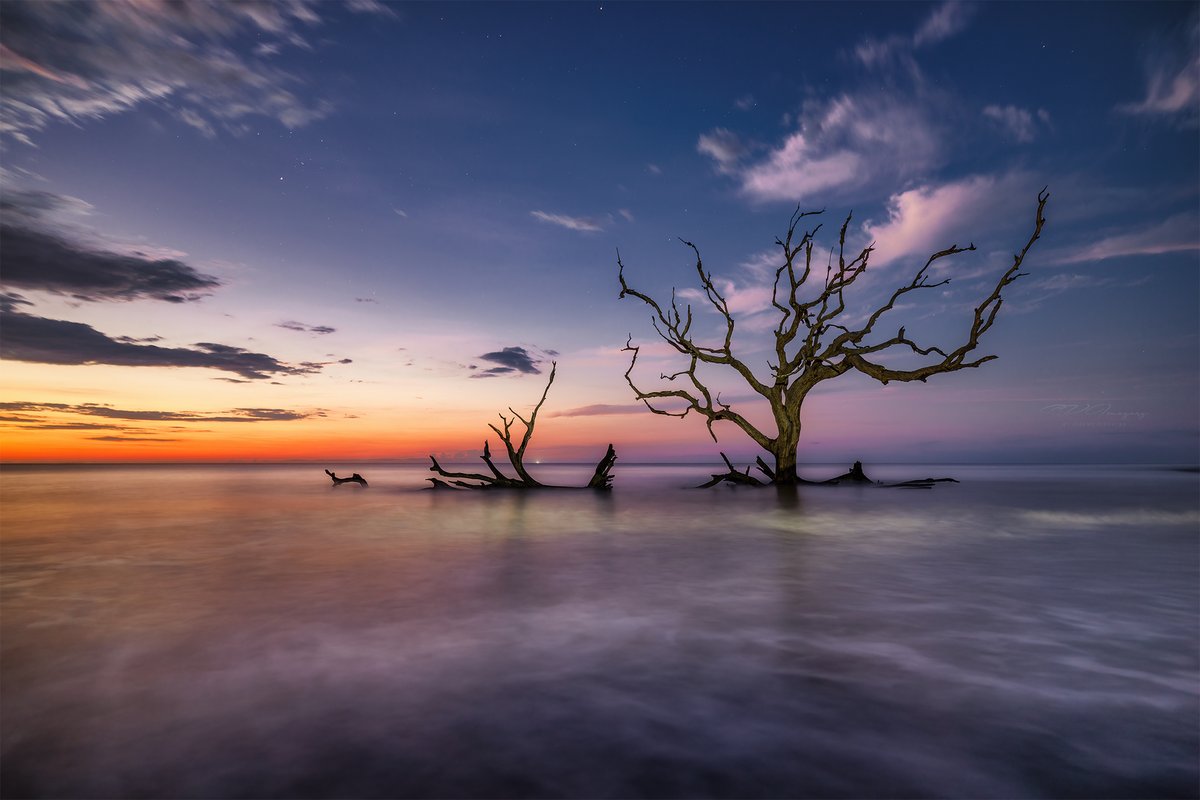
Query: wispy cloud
x=583, y=224
x=722, y=146
x=56, y=341
x=747, y=297
x=1177, y=234
x=1066, y=282
x=153, y=439
x=947, y=20
x=91, y=60
x=1172, y=80
x=599, y=410
x=300, y=327
x=944, y=22
x=45, y=249
x=1019, y=123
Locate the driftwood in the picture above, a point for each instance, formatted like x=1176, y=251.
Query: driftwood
x=856, y=476
x=732, y=476
x=495, y=479
x=355, y=478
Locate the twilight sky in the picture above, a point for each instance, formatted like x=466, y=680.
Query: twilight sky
x=334, y=231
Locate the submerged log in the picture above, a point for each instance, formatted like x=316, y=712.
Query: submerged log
x=355, y=478
x=920, y=483
x=855, y=476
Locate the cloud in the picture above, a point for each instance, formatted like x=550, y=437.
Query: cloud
x=10, y=301
x=55, y=341
x=600, y=409
x=108, y=412
x=626, y=214
x=947, y=20
x=584, y=224
x=926, y=219
x=742, y=298
x=841, y=144
x=135, y=340
x=944, y=22
x=745, y=102
x=84, y=61
x=510, y=360
x=722, y=146
x=130, y=439
x=45, y=251
x=1019, y=123
x=300, y=327
x=1172, y=80
x=654, y=169
x=1065, y=282
x=1176, y=234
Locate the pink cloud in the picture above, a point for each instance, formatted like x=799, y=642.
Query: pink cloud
x=840, y=144
x=926, y=219
x=1177, y=234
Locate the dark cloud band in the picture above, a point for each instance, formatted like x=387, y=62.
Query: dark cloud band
x=56, y=341
x=40, y=254
x=48, y=416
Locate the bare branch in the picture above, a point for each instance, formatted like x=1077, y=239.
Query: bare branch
x=985, y=315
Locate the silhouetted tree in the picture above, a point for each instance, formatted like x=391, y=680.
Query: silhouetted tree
x=601, y=479
x=810, y=345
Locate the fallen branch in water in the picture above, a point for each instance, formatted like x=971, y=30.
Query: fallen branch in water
x=856, y=476
x=355, y=478
x=495, y=479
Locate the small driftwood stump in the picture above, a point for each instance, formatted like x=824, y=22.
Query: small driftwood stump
x=355, y=478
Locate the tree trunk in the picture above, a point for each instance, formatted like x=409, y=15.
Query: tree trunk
x=783, y=448
x=785, y=463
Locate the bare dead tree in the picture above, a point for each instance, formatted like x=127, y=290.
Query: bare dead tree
x=810, y=345
x=495, y=479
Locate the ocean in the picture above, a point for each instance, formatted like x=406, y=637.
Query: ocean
x=250, y=631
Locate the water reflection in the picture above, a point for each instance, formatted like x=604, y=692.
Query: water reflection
x=248, y=632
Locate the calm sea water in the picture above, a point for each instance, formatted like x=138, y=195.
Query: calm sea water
x=249, y=631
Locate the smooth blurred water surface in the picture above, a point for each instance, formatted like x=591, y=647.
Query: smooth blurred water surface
x=249, y=631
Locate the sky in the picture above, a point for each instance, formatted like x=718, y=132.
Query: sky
x=357, y=231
